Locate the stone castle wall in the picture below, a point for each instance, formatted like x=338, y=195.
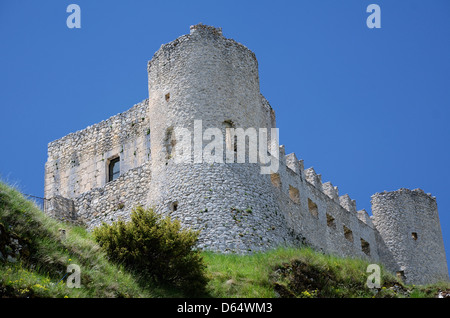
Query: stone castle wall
x=205, y=76
x=408, y=222
x=116, y=199
x=216, y=83
x=76, y=172
x=78, y=162
x=323, y=219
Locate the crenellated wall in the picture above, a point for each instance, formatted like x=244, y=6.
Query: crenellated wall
x=319, y=216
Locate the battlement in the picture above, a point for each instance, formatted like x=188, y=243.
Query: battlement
x=313, y=178
x=364, y=217
x=310, y=175
x=293, y=163
x=331, y=191
x=347, y=203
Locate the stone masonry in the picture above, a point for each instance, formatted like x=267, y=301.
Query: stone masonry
x=203, y=76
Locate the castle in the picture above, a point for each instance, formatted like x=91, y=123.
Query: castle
x=102, y=172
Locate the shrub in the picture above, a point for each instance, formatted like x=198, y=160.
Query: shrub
x=156, y=247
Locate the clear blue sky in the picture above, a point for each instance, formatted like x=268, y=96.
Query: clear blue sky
x=368, y=108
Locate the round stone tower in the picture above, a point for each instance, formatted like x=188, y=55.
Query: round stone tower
x=411, y=243
x=199, y=85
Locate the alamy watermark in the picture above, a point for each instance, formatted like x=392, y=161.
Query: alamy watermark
x=74, y=279
x=374, y=279
x=374, y=19
x=74, y=19
x=188, y=147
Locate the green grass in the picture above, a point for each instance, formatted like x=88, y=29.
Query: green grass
x=233, y=275
x=273, y=274
x=283, y=272
x=39, y=271
x=303, y=273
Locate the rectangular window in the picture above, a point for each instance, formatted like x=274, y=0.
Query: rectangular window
x=294, y=194
x=276, y=181
x=348, y=234
x=401, y=275
x=114, y=169
x=365, y=247
x=330, y=221
x=313, y=209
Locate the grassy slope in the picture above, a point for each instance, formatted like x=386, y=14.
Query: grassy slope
x=274, y=274
x=303, y=273
x=40, y=269
x=38, y=272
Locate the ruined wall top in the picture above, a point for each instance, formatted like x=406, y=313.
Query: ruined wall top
x=403, y=191
x=205, y=28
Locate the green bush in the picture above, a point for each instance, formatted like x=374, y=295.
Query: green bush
x=157, y=248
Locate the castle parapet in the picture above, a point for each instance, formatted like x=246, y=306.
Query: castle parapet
x=282, y=154
x=301, y=164
x=331, y=191
x=347, y=203
x=293, y=163
x=364, y=217
x=312, y=177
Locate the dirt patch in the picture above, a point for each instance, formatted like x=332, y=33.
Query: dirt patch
x=299, y=279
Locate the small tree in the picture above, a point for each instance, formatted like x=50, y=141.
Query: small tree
x=156, y=247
